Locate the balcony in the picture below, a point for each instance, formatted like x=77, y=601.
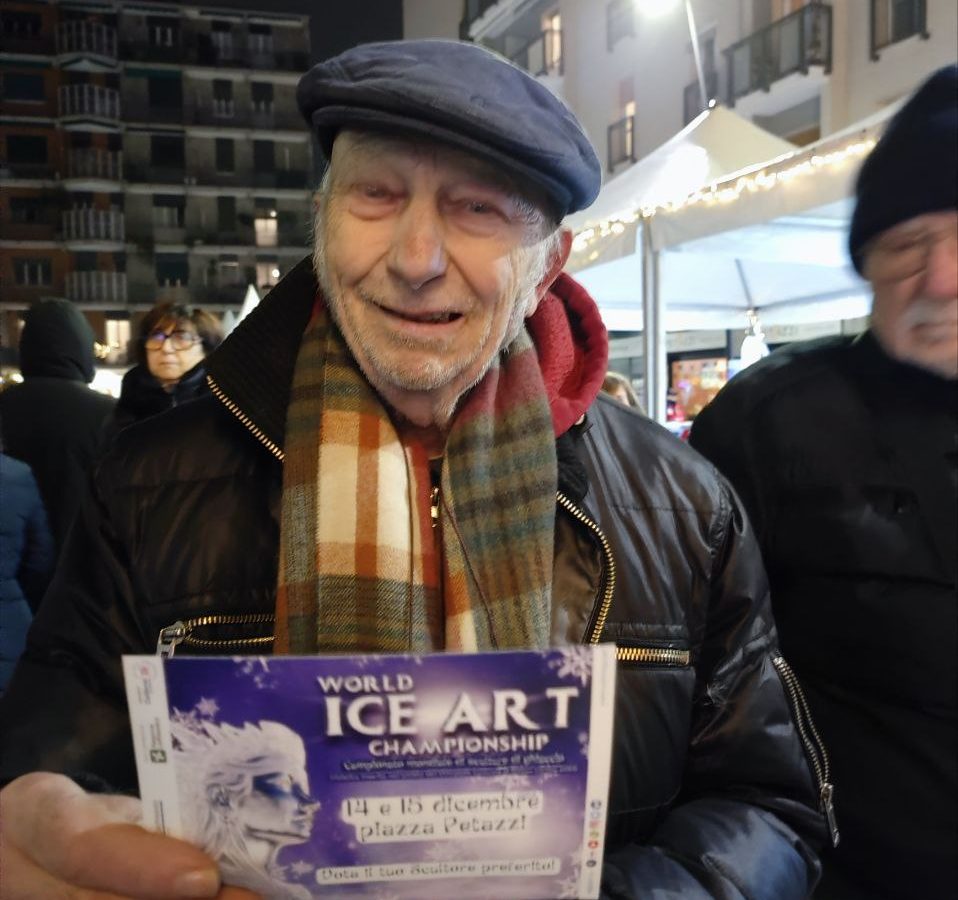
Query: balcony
x=93, y=163
x=142, y=51
x=791, y=44
x=224, y=114
x=542, y=55
x=692, y=96
x=155, y=174
x=45, y=227
x=82, y=38
x=31, y=44
x=474, y=10
x=291, y=179
x=89, y=100
x=30, y=170
x=97, y=287
x=621, y=138
x=84, y=223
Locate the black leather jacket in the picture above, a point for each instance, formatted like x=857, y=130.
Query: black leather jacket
x=712, y=793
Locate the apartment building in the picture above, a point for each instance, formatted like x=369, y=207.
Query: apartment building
x=148, y=151
x=801, y=69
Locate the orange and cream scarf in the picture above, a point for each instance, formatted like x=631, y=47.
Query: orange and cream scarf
x=358, y=559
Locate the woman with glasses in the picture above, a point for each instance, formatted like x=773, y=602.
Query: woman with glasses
x=172, y=342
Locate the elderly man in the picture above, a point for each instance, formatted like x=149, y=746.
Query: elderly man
x=404, y=450
x=844, y=453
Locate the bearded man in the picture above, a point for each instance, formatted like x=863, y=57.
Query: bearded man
x=405, y=450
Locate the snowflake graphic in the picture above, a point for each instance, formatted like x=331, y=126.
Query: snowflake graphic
x=256, y=668
x=207, y=707
x=574, y=662
x=301, y=869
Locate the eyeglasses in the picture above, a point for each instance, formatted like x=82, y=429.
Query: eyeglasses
x=181, y=340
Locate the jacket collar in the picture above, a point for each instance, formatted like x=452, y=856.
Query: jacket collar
x=253, y=368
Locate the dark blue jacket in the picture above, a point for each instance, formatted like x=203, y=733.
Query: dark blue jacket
x=26, y=558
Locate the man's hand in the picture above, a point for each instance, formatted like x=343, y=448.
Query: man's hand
x=59, y=843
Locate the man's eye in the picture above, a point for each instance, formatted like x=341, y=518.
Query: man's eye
x=374, y=192
x=480, y=208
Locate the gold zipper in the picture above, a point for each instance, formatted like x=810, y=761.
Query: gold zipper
x=606, y=602
x=812, y=741
x=656, y=656
x=180, y=632
x=245, y=419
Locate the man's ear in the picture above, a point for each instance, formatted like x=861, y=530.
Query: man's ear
x=563, y=248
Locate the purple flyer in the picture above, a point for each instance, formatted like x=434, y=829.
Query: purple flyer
x=382, y=776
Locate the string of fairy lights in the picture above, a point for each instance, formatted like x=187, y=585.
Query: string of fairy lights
x=722, y=193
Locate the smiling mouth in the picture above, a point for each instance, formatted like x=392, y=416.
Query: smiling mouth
x=425, y=318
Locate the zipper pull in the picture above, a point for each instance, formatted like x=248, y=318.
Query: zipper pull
x=825, y=798
x=434, y=506
x=169, y=638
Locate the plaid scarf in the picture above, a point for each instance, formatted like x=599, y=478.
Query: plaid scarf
x=358, y=555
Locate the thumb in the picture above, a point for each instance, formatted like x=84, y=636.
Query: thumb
x=91, y=841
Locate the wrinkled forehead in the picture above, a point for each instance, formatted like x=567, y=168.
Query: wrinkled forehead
x=355, y=149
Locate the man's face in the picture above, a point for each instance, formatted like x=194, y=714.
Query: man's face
x=429, y=263
x=913, y=269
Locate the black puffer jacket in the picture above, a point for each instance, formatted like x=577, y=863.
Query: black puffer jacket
x=712, y=793
x=53, y=421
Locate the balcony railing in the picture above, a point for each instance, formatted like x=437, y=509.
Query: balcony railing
x=474, y=9
x=256, y=117
x=86, y=224
x=542, y=55
x=791, y=44
x=692, y=96
x=144, y=171
x=96, y=287
x=622, y=141
x=45, y=228
x=91, y=162
x=80, y=36
x=11, y=169
x=89, y=100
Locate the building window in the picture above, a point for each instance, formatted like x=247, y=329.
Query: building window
x=222, y=98
x=894, y=20
x=267, y=274
x=163, y=32
x=224, y=155
x=32, y=272
x=20, y=25
x=117, y=334
x=26, y=148
x=622, y=138
x=264, y=156
x=168, y=210
x=619, y=21
x=266, y=228
x=166, y=151
x=27, y=210
x=260, y=38
x=23, y=88
x=261, y=94
x=172, y=269
x=165, y=93
x=221, y=34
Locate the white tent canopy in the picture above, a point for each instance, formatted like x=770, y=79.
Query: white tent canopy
x=768, y=237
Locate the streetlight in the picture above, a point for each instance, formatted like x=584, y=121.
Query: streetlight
x=658, y=8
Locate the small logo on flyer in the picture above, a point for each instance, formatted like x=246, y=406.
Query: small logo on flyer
x=157, y=755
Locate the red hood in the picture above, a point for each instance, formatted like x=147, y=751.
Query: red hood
x=573, y=349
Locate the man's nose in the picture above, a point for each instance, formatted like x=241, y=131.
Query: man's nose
x=941, y=269
x=418, y=253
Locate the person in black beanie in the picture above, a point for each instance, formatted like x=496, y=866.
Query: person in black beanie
x=844, y=452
